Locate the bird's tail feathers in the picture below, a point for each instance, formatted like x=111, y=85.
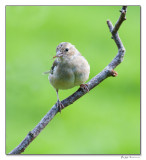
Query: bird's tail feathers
x=47, y=72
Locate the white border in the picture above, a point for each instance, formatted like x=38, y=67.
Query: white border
x=2, y=75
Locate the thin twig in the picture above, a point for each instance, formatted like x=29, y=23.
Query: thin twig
x=120, y=20
x=105, y=73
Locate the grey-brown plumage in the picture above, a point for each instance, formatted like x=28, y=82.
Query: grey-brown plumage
x=69, y=69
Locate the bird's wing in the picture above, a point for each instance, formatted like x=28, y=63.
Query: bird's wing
x=54, y=66
x=55, y=63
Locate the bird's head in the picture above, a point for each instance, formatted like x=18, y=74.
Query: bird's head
x=65, y=50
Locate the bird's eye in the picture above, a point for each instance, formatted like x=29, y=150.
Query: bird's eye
x=66, y=49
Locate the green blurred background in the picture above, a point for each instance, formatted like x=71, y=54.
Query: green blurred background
x=105, y=121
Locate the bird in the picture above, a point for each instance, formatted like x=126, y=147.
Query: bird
x=69, y=69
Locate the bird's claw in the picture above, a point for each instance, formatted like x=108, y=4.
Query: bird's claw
x=60, y=106
x=84, y=87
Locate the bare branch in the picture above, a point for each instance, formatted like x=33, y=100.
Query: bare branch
x=105, y=73
x=120, y=20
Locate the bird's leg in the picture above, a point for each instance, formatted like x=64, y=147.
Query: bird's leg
x=84, y=87
x=59, y=104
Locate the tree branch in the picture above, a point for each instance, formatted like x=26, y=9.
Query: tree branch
x=105, y=73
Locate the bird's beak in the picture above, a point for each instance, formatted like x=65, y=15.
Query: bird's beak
x=58, y=54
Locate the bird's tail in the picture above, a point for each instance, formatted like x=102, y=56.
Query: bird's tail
x=47, y=72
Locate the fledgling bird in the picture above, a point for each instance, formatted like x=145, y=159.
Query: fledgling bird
x=70, y=69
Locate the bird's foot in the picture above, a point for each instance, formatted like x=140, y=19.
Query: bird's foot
x=60, y=106
x=84, y=87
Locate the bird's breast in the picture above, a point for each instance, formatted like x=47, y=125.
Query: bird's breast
x=62, y=77
x=70, y=73
x=81, y=70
